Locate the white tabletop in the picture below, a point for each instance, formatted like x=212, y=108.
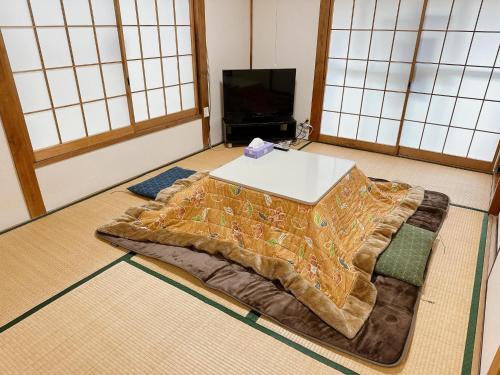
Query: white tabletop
x=301, y=176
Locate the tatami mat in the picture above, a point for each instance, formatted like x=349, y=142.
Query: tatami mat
x=191, y=282
x=44, y=257
x=440, y=329
x=126, y=321
x=466, y=188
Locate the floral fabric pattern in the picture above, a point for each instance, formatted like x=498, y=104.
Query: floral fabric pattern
x=319, y=241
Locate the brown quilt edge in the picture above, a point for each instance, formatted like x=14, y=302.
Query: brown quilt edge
x=347, y=319
x=366, y=257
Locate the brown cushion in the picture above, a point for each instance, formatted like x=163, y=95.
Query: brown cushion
x=427, y=217
x=436, y=200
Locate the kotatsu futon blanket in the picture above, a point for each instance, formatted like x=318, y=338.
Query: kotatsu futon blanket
x=323, y=254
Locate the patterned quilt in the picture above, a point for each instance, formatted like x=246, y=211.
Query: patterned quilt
x=324, y=254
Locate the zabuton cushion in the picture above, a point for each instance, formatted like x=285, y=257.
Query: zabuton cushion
x=406, y=256
x=151, y=187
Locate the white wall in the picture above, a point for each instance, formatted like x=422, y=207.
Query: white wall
x=12, y=207
x=284, y=36
x=228, y=43
x=68, y=180
x=71, y=179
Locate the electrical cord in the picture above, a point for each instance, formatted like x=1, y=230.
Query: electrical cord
x=305, y=130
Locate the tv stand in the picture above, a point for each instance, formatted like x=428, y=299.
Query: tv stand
x=242, y=133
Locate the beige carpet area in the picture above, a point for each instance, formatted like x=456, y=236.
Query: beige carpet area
x=128, y=320
x=466, y=188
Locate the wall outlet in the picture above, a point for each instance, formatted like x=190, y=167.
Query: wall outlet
x=206, y=112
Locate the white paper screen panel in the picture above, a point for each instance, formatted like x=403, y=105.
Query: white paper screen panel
x=371, y=50
x=66, y=60
x=454, y=104
x=158, y=49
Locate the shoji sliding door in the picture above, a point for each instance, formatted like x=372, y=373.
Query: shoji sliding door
x=370, y=57
x=419, y=78
x=159, y=56
x=87, y=71
x=65, y=57
x=454, y=103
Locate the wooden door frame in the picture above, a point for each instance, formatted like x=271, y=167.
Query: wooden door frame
x=202, y=67
x=17, y=136
x=320, y=73
x=321, y=66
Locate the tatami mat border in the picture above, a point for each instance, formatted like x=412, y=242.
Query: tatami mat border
x=253, y=315
x=468, y=208
x=63, y=292
x=476, y=292
x=474, y=308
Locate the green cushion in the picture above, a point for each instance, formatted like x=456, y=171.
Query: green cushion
x=406, y=256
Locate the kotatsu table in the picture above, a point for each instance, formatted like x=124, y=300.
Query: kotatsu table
x=296, y=175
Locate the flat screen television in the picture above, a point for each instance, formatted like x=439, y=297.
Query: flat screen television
x=258, y=95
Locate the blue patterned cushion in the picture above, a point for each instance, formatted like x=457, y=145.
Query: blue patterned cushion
x=150, y=188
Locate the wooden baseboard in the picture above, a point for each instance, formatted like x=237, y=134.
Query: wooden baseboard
x=81, y=146
x=448, y=160
x=411, y=153
x=360, y=145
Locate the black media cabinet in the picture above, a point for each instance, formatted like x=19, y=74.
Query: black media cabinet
x=243, y=133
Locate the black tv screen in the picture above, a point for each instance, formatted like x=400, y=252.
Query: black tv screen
x=258, y=95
